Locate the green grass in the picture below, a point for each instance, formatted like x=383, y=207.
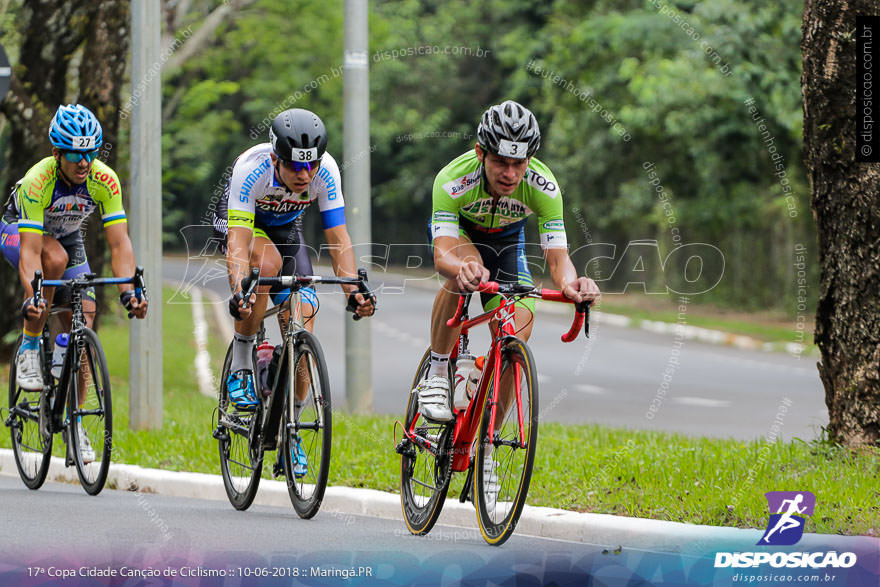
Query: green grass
x=580, y=468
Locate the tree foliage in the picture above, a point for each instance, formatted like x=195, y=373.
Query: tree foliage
x=616, y=86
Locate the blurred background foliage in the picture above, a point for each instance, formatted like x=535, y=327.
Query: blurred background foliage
x=616, y=86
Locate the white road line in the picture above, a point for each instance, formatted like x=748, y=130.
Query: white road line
x=701, y=402
x=203, y=358
x=587, y=388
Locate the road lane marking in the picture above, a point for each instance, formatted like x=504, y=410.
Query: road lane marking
x=589, y=389
x=701, y=402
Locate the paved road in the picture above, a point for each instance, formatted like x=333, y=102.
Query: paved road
x=613, y=379
x=129, y=531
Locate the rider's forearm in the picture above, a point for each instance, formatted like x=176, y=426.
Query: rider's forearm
x=121, y=257
x=562, y=270
x=446, y=262
x=341, y=254
x=30, y=252
x=342, y=259
x=238, y=255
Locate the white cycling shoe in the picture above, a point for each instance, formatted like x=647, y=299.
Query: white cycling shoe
x=434, y=398
x=85, y=447
x=491, y=487
x=28, y=375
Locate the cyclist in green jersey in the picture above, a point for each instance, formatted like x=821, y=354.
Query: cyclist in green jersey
x=480, y=203
x=41, y=229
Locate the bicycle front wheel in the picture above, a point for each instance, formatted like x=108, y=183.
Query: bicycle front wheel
x=90, y=411
x=425, y=467
x=505, y=455
x=307, y=424
x=32, y=450
x=241, y=452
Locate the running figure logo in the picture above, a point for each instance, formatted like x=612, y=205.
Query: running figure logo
x=786, y=526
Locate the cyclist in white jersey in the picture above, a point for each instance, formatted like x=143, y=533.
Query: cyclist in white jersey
x=260, y=219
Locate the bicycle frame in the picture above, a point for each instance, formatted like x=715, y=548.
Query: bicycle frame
x=58, y=392
x=275, y=408
x=467, y=424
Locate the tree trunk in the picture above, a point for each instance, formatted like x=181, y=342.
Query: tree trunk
x=52, y=32
x=847, y=211
x=106, y=49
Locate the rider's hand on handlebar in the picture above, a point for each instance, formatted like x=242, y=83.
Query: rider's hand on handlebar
x=236, y=306
x=136, y=309
x=470, y=275
x=31, y=312
x=365, y=306
x=583, y=289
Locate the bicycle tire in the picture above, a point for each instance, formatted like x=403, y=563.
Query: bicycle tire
x=498, y=518
x=32, y=449
x=241, y=452
x=95, y=416
x=313, y=427
x=424, y=476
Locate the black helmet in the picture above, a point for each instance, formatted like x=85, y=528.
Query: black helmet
x=510, y=130
x=298, y=135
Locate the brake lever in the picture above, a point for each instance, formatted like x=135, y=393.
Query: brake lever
x=248, y=285
x=363, y=288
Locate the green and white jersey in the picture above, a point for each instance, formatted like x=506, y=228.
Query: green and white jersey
x=459, y=191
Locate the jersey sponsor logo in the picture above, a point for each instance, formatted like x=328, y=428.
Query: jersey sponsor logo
x=507, y=210
x=281, y=207
x=463, y=184
x=251, y=180
x=556, y=225
x=35, y=189
x=331, y=183
x=109, y=181
x=234, y=217
x=443, y=216
x=536, y=180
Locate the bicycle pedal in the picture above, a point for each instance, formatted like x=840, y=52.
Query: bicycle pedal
x=277, y=470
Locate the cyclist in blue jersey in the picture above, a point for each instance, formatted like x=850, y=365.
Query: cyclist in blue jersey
x=260, y=221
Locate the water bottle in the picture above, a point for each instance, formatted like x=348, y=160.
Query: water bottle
x=264, y=356
x=464, y=364
x=58, y=354
x=474, y=377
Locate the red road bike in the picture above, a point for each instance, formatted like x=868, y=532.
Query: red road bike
x=494, y=438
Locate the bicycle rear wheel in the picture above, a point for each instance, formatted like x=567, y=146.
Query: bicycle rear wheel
x=241, y=452
x=503, y=461
x=424, y=472
x=32, y=450
x=309, y=432
x=91, y=422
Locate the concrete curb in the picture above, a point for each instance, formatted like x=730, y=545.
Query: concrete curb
x=345, y=502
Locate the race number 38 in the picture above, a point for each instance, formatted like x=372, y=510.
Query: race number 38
x=305, y=154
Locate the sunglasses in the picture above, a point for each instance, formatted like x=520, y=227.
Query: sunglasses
x=300, y=165
x=77, y=156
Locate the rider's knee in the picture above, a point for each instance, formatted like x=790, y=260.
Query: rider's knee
x=54, y=261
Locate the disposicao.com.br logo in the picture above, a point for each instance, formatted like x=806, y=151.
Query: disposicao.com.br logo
x=788, y=511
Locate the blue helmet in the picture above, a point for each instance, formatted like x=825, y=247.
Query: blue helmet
x=75, y=128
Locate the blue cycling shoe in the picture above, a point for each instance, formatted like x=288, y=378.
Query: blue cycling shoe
x=241, y=389
x=298, y=459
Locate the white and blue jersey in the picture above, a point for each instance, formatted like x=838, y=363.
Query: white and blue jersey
x=255, y=193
